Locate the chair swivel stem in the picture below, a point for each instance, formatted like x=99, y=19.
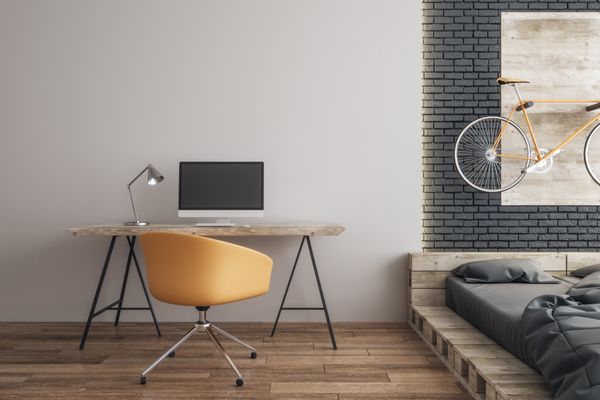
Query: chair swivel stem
x=172, y=349
x=202, y=318
x=230, y=336
x=211, y=335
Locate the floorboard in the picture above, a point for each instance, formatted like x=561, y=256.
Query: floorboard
x=374, y=361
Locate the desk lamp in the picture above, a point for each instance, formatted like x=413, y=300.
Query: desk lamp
x=154, y=177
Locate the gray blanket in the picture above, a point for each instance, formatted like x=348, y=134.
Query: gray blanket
x=563, y=334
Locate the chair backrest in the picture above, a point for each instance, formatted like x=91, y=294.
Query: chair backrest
x=197, y=271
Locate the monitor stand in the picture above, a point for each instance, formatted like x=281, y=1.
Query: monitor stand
x=219, y=222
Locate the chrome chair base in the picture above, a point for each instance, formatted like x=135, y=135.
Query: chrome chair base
x=204, y=326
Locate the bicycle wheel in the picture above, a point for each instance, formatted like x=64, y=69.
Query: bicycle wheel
x=591, y=154
x=487, y=169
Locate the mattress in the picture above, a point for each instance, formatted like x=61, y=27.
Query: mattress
x=496, y=308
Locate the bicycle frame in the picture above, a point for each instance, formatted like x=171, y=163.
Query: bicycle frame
x=521, y=106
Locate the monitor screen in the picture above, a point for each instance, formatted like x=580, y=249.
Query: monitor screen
x=221, y=185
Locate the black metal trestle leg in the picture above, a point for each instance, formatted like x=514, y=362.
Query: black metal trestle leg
x=137, y=266
x=118, y=305
x=287, y=288
x=314, y=263
x=98, y=289
x=323, y=304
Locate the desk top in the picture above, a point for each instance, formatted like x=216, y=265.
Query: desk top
x=291, y=229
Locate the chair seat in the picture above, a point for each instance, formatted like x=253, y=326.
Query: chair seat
x=504, y=80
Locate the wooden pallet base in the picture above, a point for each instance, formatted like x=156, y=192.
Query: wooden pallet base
x=484, y=368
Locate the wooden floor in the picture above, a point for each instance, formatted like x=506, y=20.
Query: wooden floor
x=374, y=361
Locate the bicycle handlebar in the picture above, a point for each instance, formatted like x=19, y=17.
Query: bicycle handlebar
x=593, y=107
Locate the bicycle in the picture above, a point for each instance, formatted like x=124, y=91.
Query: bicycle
x=493, y=154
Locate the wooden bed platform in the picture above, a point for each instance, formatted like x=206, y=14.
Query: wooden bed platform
x=483, y=367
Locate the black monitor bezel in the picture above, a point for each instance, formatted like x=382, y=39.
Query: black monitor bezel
x=262, y=185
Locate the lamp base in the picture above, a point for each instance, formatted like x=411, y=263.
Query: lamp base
x=136, y=223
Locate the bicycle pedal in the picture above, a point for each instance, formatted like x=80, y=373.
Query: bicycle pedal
x=532, y=168
x=540, y=167
x=528, y=169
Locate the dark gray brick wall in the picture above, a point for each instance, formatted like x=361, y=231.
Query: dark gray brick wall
x=461, y=60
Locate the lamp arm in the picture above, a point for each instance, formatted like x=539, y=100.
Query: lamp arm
x=131, y=195
x=138, y=175
x=132, y=203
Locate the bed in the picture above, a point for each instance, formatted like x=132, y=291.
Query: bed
x=476, y=334
x=496, y=308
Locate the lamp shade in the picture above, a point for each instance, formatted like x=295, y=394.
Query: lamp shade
x=154, y=176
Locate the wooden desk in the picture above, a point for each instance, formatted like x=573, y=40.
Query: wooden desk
x=114, y=231
x=240, y=230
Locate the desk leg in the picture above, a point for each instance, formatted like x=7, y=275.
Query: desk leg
x=131, y=242
x=120, y=305
x=314, y=263
x=98, y=289
x=324, y=305
x=287, y=288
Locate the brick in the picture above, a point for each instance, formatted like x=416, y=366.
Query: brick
x=461, y=50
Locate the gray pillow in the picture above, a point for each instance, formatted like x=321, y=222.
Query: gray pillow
x=587, y=290
x=585, y=271
x=503, y=271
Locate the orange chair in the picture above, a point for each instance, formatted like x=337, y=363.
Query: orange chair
x=201, y=272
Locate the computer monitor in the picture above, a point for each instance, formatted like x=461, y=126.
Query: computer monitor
x=225, y=189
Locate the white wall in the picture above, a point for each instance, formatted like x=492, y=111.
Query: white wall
x=325, y=92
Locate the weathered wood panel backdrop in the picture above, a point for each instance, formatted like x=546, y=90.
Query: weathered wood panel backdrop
x=560, y=55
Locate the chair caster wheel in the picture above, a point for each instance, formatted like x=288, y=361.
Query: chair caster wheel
x=253, y=355
x=239, y=382
x=172, y=354
x=143, y=380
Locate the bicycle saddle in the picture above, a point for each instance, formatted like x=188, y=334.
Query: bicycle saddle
x=503, y=80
